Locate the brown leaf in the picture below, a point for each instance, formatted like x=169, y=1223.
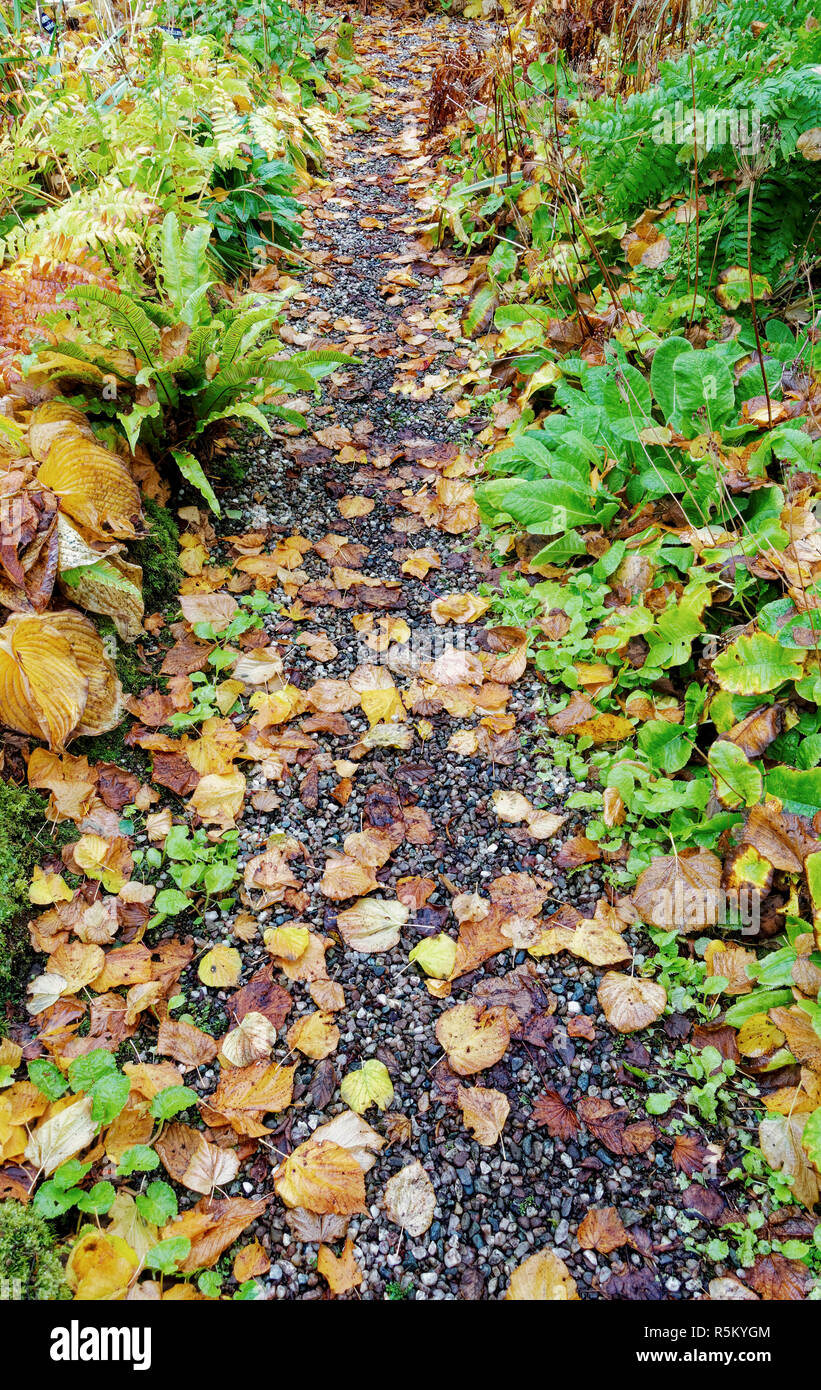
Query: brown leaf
x=474, y=1038
x=552, y=1111
x=778, y=1279
x=189, y=1158
x=211, y=1226
x=484, y=1110
x=629, y=1003
x=602, y=1229
x=610, y=1126
x=688, y=1154
x=186, y=1044
x=680, y=891
x=245, y=1094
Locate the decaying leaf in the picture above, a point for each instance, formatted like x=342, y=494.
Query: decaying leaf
x=410, y=1199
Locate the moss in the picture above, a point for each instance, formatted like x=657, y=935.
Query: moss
x=158, y=554
x=22, y=819
x=229, y=470
x=25, y=838
x=28, y=1253
x=112, y=748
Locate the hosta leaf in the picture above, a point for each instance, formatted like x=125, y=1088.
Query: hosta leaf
x=93, y=486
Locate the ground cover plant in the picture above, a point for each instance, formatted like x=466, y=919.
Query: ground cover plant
x=409, y=674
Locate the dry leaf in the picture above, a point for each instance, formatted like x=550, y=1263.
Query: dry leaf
x=410, y=1199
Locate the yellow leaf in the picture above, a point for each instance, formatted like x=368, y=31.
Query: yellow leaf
x=220, y=968
x=342, y=1272
x=100, y=1267
x=542, y=1278
x=93, y=486
x=436, y=955
x=315, y=1035
x=48, y=888
x=218, y=797
x=323, y=1177
x=62, y=1136
x=289, y=942
x=369, y=1085
x=382, y=706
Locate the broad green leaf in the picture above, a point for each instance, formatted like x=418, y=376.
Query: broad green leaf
x=167, y=1255
x=51, y=1200
x=108, y=1097
x=756, y=663
x=663, y=381
x=666, y=745
x=811, y=1138
x=47, y=1078
x=70, y=1173
x=738, y=781
x=760, y=1001
x=171, y=902
x=157, y=1204
x=98, y=1199
x=171, y=1101
x=84, y=1071
x=800, y=792
x=139, y=1159
x=705, y=393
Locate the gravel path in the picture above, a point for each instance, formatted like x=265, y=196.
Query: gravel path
x=496, y=1205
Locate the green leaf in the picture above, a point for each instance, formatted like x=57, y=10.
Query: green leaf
x=139, y=1159
x=479, y=315
x=192, y=471
x=662, y=377
x=51, y=1199
x=759, y=1002
x=218, y=878
x=660, y=1103
x=84, y=1071
x=157, y=1204
x=738, y=781
x=756, y=663
x=800, y=792
x=171, y=902
x=436, y=955
x=171, y=1101
x=811, y=1137
x=98, y=1199
x=168, y=1254
x=47, y=1078
x=705, y=393
x=550, y=508
x=70, y=1173
x=666, y=745
x=370, y=1084
x=109, y=1095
